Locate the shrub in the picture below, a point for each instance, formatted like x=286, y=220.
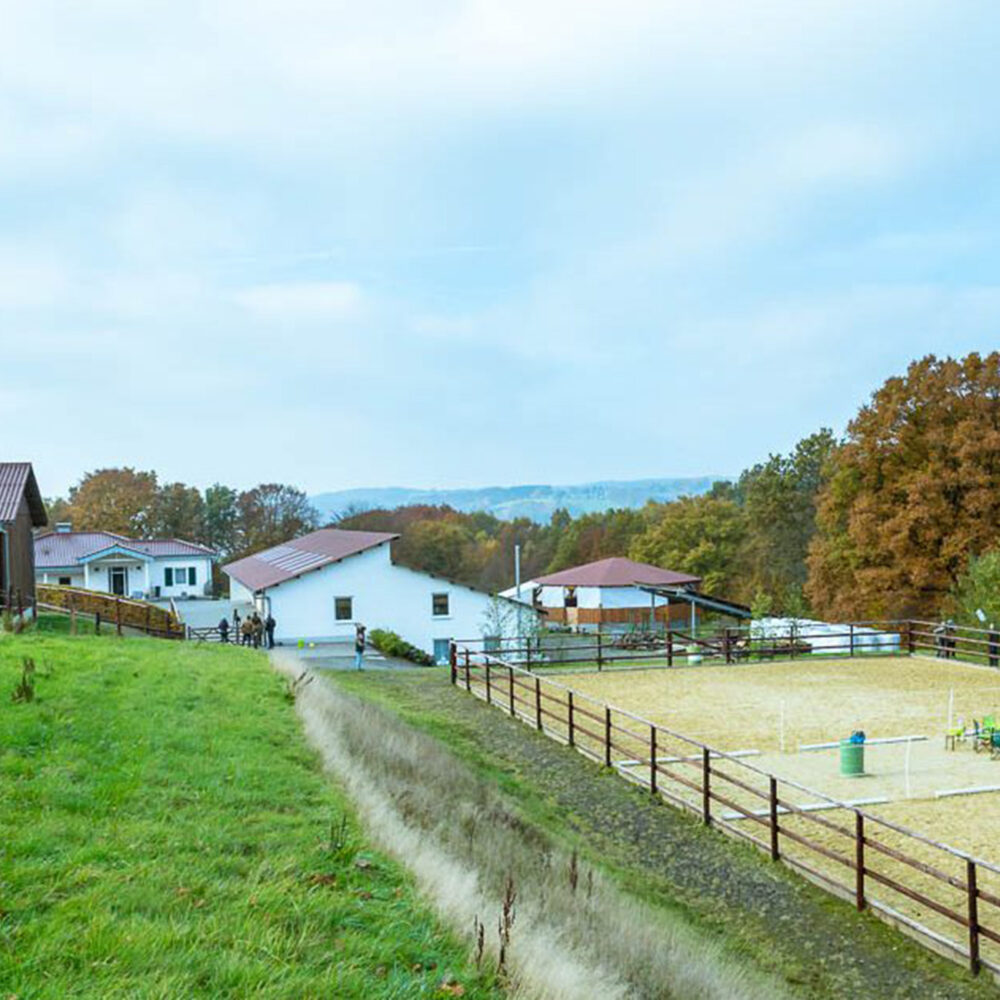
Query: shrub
x=390, y=644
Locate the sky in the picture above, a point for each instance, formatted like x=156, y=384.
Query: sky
x=473, y=243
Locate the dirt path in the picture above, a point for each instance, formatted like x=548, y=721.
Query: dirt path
x=818, y=944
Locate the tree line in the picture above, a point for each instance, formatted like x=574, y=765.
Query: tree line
x=900, y=517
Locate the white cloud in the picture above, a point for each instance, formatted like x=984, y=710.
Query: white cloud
x=304, y=301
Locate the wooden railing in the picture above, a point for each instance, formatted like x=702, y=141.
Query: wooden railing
x=927, y=888
x=117, y=612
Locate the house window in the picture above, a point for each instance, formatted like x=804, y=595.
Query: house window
x=442, y=650
x=168, y=577
x=343, y=608
x=439, y=605
x=193, y=576
x=65, y=581
x=570, y=601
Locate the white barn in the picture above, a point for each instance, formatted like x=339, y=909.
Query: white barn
x=319, y=586
x=129, y=567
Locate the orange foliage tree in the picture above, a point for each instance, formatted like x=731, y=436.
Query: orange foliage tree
x=913, y=493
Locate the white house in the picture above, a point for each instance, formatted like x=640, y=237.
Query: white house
x=319, y=586
x=608, y=594
x=129, y=567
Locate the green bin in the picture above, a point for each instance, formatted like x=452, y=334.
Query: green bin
x=852, y=758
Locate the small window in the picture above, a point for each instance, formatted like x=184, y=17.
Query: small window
x=65, y=581
x=570, y=601
x=343, y=608
x=168, y=577
x=193, y=576
x=439, y=605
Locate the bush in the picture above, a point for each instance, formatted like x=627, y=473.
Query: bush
x=390, y=644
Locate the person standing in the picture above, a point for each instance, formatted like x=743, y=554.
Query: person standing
x=359, y=646
x=224, y=629
x=246, y=631
x=258, y=630
x=269, y=624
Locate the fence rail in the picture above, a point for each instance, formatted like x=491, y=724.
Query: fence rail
x=945, y=897
x=108, y=609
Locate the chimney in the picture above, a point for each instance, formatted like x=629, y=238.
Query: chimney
x=64, y=527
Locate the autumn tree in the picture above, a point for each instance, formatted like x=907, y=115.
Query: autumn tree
x=701, y=535
x=179, y=512
x=221, y=517
x=270, y=514
x=117, y=500
x=913, y=494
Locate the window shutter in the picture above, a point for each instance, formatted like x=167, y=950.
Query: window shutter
x=193, y=576
x=168, y=577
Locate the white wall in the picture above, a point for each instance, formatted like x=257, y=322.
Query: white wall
x=203, y=569
x=96, y=575
x=383, y=596
x=628, y=597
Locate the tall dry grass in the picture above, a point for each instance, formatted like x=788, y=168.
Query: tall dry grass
x=573, y=933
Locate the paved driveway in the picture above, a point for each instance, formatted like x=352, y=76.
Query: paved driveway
x=206, y=613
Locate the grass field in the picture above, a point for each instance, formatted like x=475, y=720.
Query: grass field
x=771, y=709
x=165, y=832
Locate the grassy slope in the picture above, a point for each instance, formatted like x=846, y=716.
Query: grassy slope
x=764, y=912
x=165, y=832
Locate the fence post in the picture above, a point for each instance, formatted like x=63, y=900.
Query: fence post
x=600, y=657
x=538, y=703
x=728, y=645
x=569, y=704
x=510, y=677
x=652, y=758
x=20, y=604
x=773, y=781
x=97, y=623
x=910, y=647
x=859, y=860
x=489, y=697
x=118, y=615
x=670, y=647
x=851, y=653
x=970, y=878
x=706, y=787
x=453, y=661
x=149, y=611
x=607, y=736
x=468, y=672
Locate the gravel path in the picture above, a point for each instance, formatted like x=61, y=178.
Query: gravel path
x=819, y=944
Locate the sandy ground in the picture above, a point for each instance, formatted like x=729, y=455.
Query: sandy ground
x=766, y=706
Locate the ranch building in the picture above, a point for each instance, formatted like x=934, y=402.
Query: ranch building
x=21, y=511
x=127, y=567
x=612, y=595
x=319, y=586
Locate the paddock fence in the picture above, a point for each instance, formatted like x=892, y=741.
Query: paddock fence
x=947, y=899
x=110, y=611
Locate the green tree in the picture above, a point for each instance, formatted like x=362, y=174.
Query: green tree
x=703, y=535
x=270, y=514
x=221, y=519
x=978, y=589
x=179, y=513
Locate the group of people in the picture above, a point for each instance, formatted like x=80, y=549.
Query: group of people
x=249, y=631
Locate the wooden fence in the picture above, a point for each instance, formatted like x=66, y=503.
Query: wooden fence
x=118, y=612
x=947, y=899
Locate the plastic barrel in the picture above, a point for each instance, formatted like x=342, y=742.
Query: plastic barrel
x=852, y=758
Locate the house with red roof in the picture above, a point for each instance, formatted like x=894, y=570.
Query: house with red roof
x=611, y=594
x=128, y=567
x=319, y=586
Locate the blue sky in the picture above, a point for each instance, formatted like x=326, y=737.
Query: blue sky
x=449, y=243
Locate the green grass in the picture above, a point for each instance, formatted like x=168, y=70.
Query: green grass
x=165, y=832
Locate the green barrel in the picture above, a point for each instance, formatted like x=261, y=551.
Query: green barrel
x=852, y=758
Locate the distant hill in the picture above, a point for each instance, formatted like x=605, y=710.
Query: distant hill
x=508, y=502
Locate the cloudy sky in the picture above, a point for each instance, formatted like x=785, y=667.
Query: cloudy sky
x=465, y=243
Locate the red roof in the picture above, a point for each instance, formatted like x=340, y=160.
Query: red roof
x=616, y=572
x=17, y=480
x=300, y=555
x=67, y=548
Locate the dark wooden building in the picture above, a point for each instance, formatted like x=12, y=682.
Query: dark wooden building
x=21, y=510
